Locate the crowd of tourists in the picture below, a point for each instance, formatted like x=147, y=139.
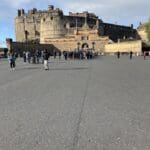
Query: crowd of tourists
x=43, y=56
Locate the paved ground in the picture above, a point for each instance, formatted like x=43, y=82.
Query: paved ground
x=102, y=104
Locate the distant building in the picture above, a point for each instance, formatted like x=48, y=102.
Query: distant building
x=76, y=31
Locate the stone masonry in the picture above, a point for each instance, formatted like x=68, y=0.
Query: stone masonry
x=68, y=32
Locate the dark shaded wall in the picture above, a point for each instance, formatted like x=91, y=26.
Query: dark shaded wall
x=19, y=47
x=116, y=32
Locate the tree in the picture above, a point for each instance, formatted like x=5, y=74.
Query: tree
x=148, y=29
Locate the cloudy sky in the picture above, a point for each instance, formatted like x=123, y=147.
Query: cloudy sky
x=123, y=12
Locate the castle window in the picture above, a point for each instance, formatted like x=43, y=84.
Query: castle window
x=51, y=18
x=43, y=19
x=82, y=38
x=37, y=33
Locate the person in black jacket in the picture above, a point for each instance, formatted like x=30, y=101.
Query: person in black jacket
x=131, y=53
x=46, y=57
x=118, y=54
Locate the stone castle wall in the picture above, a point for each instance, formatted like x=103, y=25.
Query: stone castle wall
x=124, y=47
x=52, y=27
x=82, y=39
x=37, y=25
x=27, y=27
x=71, y=32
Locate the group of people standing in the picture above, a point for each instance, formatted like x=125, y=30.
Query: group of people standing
x=43, y=56
x=36, y=57
x=32, y=57
x=27, y=57
x=79, y=54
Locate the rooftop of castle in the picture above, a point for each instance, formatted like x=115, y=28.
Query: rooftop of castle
x=83, y=14
x=33, y=11
x=52, y=9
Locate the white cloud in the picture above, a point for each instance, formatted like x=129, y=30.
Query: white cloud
x=122, y=12
x=113, y=10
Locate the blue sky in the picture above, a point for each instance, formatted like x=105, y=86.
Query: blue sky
x=112, y=11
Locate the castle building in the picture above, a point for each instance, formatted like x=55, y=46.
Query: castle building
x=69, y=32
x=144, y=36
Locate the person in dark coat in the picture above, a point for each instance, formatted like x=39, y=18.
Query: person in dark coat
x=118, y=54
x=66, y=55
x=59, y=55
x=12, y=59
x=24, y=57
x=131, y=53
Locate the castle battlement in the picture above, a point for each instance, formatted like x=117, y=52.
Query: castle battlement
x=52, y=23
x=34, y=11
x=83, y=14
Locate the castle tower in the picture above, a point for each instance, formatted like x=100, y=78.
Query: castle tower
x=27, y=25
x=52, y=25
x=19, y=26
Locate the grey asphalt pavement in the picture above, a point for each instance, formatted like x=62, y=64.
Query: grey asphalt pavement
x=100, y=104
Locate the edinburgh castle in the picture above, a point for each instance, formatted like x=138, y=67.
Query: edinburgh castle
x=72, y=32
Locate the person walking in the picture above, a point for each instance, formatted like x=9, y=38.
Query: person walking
x=24, y=57
x=12, y=59
x=28, y=56
x=37, y=54
x=46, y=57
x=131, y=54
x=42, y=56
x=66, y=55
x=59, y=53
x=118, y=54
